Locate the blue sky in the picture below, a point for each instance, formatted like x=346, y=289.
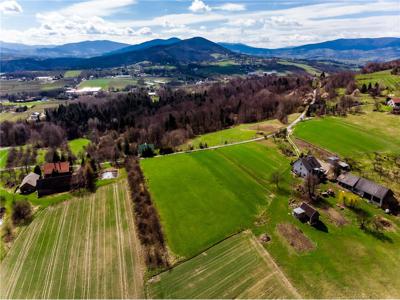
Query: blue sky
x=261, y=23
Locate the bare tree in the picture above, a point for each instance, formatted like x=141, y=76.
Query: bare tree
x=310, y=185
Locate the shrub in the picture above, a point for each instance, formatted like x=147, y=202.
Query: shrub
x=21, y=212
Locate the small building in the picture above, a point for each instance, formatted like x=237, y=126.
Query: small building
x=306, y=213
x=146, y=149
x=307, y=165
x=56, y=169
x=28, y=184
x=53, y=185
x=393, y=102
x=348, y=181
x=374, y=192
x=334, y=160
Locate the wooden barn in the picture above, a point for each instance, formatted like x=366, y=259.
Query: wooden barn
x=306, y=213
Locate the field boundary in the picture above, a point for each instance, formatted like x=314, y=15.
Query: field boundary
x=268, y=259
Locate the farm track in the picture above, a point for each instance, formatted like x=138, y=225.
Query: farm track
x=70, y=250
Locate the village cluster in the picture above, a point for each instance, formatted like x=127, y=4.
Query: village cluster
x=337, y=171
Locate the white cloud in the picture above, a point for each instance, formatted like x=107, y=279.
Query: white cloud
x=199, y=6
x=231, y=7
x=10, y=7
x=144, y=31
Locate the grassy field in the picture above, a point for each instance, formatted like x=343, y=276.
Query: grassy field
x=238, y=133
x=32, y=86
x=309, y=69
x=383, y=78
x=107, y=83
x=203, y=197
x=72, y=73
x=3, y=158
x=78, y=145
x=36, y=107
x=236, y=268
x=354, y=134
x=83, y=248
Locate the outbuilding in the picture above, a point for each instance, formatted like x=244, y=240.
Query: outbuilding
x=28, y=184
x=306, y=213
x=374, y=192
x=348, y=181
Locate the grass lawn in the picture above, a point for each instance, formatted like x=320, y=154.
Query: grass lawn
x=383, y=78
x=84, y=248
x=309, y=69
x=236, y=268
x=205, y=196
x=354, y=134
x=238, y=133
x=72, y=73
x=78, y=145
x=3, y=158
x=106, y=83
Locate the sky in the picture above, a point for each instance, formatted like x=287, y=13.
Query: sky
x=259, y=23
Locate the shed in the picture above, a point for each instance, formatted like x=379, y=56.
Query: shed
x=306, y=213
x=348, y=181
x=28, y=184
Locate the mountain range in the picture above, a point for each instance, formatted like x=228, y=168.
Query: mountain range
x=350, y=50
x=104, y=54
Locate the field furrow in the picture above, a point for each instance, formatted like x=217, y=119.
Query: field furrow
x=84, y=248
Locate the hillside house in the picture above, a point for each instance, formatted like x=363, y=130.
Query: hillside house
x=28, y=184
x=56, y=169
x=365, y=188
x=393, y=102
x=307, y=165
x=306, y=213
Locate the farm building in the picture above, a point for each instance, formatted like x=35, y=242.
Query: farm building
x=306, y=213
x=334, y=160
x=367, y=189
x=307, y=165
x=56, y=169
x=394, y=102
x=28, y=184
x=348, y=181
x=53, y=185
x=372, y=191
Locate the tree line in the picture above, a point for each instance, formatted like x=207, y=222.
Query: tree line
x=177, y=115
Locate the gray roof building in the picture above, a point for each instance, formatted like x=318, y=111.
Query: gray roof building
x=348, y=180
x=373, y=191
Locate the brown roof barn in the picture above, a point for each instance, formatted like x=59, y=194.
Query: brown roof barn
x=58, y=168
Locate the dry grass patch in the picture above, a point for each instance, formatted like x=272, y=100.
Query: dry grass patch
x=336, y=217
x=295, y=237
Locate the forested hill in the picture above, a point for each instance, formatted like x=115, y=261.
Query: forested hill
x=182, y=52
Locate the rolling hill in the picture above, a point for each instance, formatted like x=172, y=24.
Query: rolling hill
x=80, y=49
x=183, y=52
x=360, y=50
x=145, y=45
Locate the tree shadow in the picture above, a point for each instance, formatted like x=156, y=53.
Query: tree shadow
x=321, y=226
x=379, y=235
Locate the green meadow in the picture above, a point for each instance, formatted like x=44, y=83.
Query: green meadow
x=3, y=158
x=72, y=73
x=203, y=197
x=383, y=78
x=238, y=133
x=352, y=135
x=107, y=83
x=78, y=145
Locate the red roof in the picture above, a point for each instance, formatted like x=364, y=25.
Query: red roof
x=59, y=167
x=396, y=100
